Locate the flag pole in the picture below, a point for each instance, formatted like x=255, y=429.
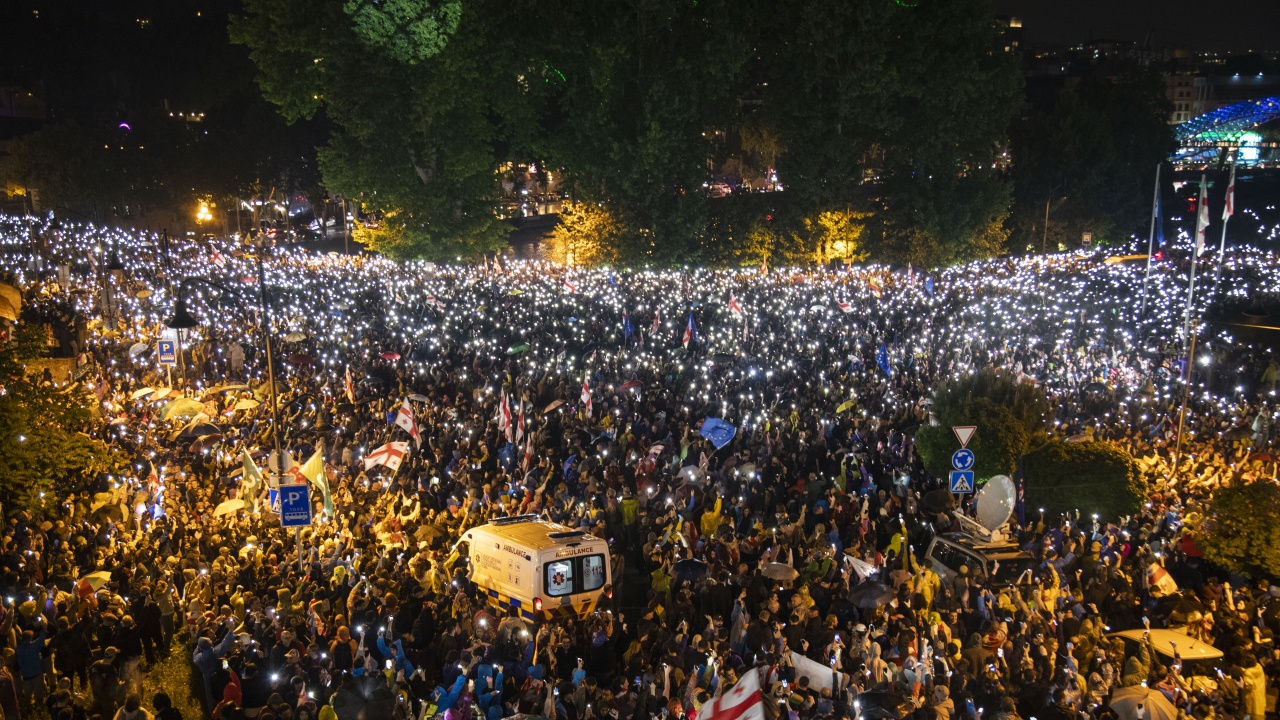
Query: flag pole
x=1201, y=216
x=1227, y=211
x=1195, y=259
x=1151, y=239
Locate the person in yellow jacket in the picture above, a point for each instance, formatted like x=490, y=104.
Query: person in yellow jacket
x=711, y=520
x=927, y=583
x=1255, y=690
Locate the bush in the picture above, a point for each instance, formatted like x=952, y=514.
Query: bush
x=1240, y=529
x=1094, y=477
x=1011, y=417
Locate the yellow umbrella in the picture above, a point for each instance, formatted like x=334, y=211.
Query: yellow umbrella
x=228, y=507
x=182, y=407
x=246, y=404
x=846, y=405
x=97, y=580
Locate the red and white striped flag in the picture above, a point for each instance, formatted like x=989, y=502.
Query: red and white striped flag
x=405, y=419
x=1229, y=208
x=586, y=397
x=845, y=306
x=743, y=701
x=439, y=305
x=389, y=455
x=657, y=322
x=734, y=307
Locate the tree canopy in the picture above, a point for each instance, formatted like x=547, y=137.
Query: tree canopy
x=1012, y=419
x=1241, y=528
x=42, y=449
x=637, y=101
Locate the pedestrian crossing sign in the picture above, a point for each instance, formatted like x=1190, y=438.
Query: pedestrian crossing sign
x=961, y=481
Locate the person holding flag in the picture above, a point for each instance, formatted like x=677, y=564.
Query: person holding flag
x=405, y=419
x=586, y=397
x=734, y=307
x=628, y=329
x=690, y=332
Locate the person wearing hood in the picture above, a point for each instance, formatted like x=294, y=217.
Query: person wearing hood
x=943, y=706
x=206, y=657
x=443, y=699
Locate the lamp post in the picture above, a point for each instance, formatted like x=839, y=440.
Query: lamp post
x=180, y=321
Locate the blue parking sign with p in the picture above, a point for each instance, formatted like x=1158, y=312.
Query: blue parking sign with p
x=295, y=505
x=167, y=352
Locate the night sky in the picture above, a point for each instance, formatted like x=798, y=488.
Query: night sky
x=1202, y=25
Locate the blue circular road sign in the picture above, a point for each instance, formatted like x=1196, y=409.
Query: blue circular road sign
x=962, y=459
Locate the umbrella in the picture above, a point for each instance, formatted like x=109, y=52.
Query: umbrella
x=228, y=507
x=517, y=348
x=1126, y=701
x=141, y=393
x=246, y=404
x=878, y=713
x=632, y=385
x=871, y=595
x=226, y=388
x=122, y=420
x=392, y=356
x=182, y=407
x=779, y=571
x=417, y=398
x=1264, y=457
x=366, y=698
x=204, y=442
x=860, y=566
x=295, y=336
x=846, y=405
x=554, y=404
x=97, y=580
x=689, y=569
x=1095, y=387
x=198, y=429
x=938, y=501
x=299, y=359
x=1181, y=609
x=137, y=349
x=693, y=474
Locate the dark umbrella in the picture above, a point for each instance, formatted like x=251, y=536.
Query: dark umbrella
x=938, y=501
x=689, y=569
x=1181, y=609
x=195, y=430
x=871, y=595
x=366, y=698
x=1095, y=387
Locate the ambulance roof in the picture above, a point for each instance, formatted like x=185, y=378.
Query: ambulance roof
x=534, y=534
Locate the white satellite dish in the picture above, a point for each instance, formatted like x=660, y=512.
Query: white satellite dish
x=995, y=501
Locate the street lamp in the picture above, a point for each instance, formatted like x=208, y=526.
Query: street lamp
x=182, y=320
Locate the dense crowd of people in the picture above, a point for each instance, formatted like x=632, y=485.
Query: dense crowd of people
x=788, y=555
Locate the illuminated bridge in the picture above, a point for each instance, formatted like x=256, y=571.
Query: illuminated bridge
x=1237, y=128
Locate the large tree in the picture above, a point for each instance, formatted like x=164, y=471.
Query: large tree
x=424, y=97
x=43, y=452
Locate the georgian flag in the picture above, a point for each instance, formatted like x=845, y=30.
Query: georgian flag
x=439, y=305
x=734, y=307
x=569, y=287
x=1202, y=216
x=690, y=332
x=350, y=386
x=504, y=416
x=405, y=419
x=1229, y=208
x=657, y=322
x=743, y=701
x=520, y=424
x=586, y=397
x=389, y=456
